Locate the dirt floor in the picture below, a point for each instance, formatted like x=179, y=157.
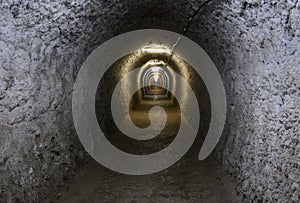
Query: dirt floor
x=189, y=180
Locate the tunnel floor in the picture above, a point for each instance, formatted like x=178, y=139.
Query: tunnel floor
x=189, y=180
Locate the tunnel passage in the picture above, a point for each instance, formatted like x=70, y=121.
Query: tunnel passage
x=254, y=44
x=148, y=187
x=143, y=100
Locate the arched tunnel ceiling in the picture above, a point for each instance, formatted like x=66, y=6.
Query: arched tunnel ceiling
x=81, y=27
x=255, y=45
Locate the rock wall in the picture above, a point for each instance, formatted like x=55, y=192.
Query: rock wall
x=255, y=45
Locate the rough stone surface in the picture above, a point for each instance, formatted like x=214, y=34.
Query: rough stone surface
x=254, y=43
x=260, y=64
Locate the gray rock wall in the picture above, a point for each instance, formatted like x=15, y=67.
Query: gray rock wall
x=255, y=45
x=259, y=60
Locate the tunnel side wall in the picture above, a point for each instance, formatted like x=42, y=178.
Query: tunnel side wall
x=256, y=46
x=39, y=150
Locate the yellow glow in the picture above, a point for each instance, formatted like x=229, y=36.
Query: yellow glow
x=156, y=49
x=156, y=77
x=155, y=69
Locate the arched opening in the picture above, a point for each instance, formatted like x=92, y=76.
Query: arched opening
x=156, y=82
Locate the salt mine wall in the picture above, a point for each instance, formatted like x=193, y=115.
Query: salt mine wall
x=254, y=44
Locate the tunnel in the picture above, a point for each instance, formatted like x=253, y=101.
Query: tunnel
x=254, y=45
